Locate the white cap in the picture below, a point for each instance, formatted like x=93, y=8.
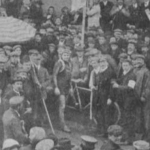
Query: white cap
x=141, y=145
x=46, y=144
x=8, y=143
x=37, y=134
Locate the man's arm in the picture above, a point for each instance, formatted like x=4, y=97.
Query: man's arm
x=17, y=131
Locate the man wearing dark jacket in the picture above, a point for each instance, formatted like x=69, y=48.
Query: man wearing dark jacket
x=13, y=128
x=106, y=7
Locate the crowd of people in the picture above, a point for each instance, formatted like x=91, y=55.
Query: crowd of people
x=114, y=63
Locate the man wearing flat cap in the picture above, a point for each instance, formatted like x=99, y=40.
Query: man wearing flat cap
x=15, y=89
x=142, y=89
x=13, y=128
x=100, y=79
x=42, y=84
x=125, y=91
x=79, y=64
x=114, y=136
x=146, y=53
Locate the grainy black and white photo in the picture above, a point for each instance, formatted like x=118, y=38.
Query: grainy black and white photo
x=74, y=74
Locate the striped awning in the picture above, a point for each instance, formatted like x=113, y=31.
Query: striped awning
x=13, y=30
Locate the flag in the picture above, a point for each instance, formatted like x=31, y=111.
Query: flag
x=77, y=4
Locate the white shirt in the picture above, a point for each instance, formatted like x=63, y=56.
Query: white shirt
x=135, y=5
x=120, y=7
x=105, y=3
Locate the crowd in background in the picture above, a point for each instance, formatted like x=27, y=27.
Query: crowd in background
x=114, y=62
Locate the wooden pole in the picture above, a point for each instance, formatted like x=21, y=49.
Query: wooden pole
x=83, y=26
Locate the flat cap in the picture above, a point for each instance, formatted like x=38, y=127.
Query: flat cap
x=16, y=100
x=91, y=52
x=137, y=56
x=17, y=46
x=7, y=47
x=52, y=45
x=46, y=144
x=37, y=134
x=123, y=55
x=33, y=51
x=115, y=130
x=10, y=143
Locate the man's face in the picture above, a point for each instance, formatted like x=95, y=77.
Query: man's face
x=101, y=40
x=27, y=66
x=120, y=2
x=18, y=50
x=131, y=48
x=38, y=38
x=17, y=85
x=103, y=64
x=112, y=39
x=95, y=64
x=147, y=40
x=34, y=57
x=80, y=54
x=51, y=10
x=58, y=21
x=144, y=49
x=114, y=46
x=51, y=49
x=91, y=45
x=117, y=35
x=126, y=66
x=65, y=57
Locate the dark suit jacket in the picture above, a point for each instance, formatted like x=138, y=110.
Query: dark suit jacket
x=105, y=10
x=109, y=145
x=12, y=126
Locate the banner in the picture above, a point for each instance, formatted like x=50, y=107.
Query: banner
x=77, y=4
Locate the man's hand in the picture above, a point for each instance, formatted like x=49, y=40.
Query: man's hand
x=28, y=110
x=109, y=101
x=71, y=91
x=57, y=91
x=93, y=88
x=83, y=69
x=115, y=85
x=142, y=99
